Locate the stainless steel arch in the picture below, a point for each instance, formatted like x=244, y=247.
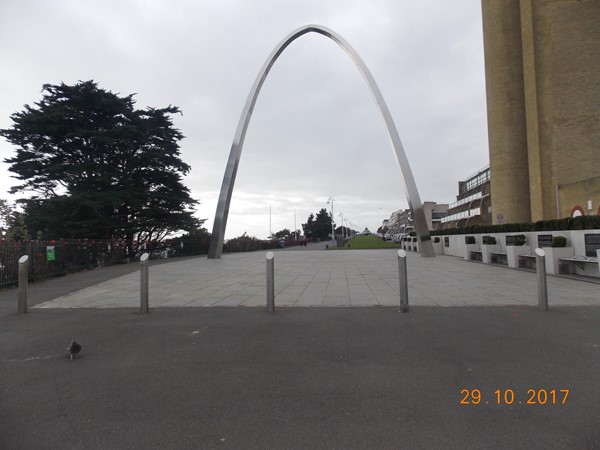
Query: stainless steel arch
x=414, y=201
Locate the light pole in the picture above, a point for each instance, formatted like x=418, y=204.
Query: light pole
x=333, y=242
x=343, y=232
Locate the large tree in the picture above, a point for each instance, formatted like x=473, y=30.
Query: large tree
x=98, y=167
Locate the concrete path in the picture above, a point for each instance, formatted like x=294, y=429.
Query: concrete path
x=328, y=278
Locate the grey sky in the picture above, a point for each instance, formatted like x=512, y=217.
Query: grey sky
x=315, y=132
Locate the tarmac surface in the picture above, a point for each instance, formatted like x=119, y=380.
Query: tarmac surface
x=190, y=376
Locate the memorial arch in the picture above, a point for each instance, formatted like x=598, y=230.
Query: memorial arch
x=414, y=201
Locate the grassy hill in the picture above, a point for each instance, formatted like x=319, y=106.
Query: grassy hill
x=369, y=242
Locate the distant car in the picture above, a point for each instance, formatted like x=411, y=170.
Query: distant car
x=281, y=244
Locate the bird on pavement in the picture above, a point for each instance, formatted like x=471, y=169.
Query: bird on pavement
x=73, y=348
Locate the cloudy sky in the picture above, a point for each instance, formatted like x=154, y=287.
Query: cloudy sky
x=315, y=133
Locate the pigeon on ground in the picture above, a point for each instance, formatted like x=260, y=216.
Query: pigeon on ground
x=73, y=348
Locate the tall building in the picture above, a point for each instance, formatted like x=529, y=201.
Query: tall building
x=542, y=67
x=473, y=203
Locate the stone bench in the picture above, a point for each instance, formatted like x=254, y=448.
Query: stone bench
x=568, y=265
x=499, y=258
x=475, y=255
x=527, y=262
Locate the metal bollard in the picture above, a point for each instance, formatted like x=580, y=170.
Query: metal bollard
x=540, y=264
x=23, y=281
x=270, y=282
x=144, y=301
x=402, y=269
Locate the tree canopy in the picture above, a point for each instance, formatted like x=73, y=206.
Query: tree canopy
x=286, y=234
x=318, y=227
x=98, y=167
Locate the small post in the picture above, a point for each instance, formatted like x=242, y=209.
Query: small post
x=404, y=308
x=23, y=281
x=270, y=282
x=540, y=264
x=144, y=302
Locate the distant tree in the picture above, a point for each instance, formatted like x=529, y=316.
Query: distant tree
x=98, y=167
x=12, y=223
x=194, y=242
x=17, y=230
x=5, y=217
x=283, y=234
x=322, y=225
x=287, y=234
x=308, y=226
x=318, y=227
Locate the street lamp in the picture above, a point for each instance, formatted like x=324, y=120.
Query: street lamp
x=333, y=242
x=343, y=232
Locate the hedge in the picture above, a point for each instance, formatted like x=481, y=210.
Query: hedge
x=575, y=223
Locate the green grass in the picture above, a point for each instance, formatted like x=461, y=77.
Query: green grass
x=369, y=242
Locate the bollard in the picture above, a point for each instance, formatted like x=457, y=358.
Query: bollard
x=404, y=308
x=144, y=302
x=270, y=282
x=23, y=281
x=540, y=264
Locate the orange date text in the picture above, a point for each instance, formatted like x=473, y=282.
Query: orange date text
x=512, y=397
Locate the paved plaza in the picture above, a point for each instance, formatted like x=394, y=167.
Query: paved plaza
x=309, y=278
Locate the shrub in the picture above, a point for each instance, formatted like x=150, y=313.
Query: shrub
x=491, y=240
x=436, y=240
x=520, y=239
x=412, y=233
x=559, y=241
x=470, y=240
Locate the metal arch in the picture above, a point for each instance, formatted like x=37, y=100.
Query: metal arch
x=414, y=201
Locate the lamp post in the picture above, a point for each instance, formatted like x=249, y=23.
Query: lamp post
x=343, y=232
x=333, y=242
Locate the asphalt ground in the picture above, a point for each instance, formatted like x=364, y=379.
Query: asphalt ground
x=366, y=377
x=301, y=378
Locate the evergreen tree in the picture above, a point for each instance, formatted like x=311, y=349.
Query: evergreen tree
x=308, y=226
x=98, y=167
x=322, y=226
x=318, y=227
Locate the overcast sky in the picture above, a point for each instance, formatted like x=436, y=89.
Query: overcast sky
x=315, y=132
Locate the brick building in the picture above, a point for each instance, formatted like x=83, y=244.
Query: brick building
x=542, y=65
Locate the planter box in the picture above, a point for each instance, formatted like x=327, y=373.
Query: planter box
x=468, y=249
x=552, y=258
x=438, y=248
x=513, y=252
x=487, y=250
x=415, y=246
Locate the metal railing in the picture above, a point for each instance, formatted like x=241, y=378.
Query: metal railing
x=53, y=258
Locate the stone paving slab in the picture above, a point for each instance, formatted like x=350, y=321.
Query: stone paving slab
x=329, y=278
